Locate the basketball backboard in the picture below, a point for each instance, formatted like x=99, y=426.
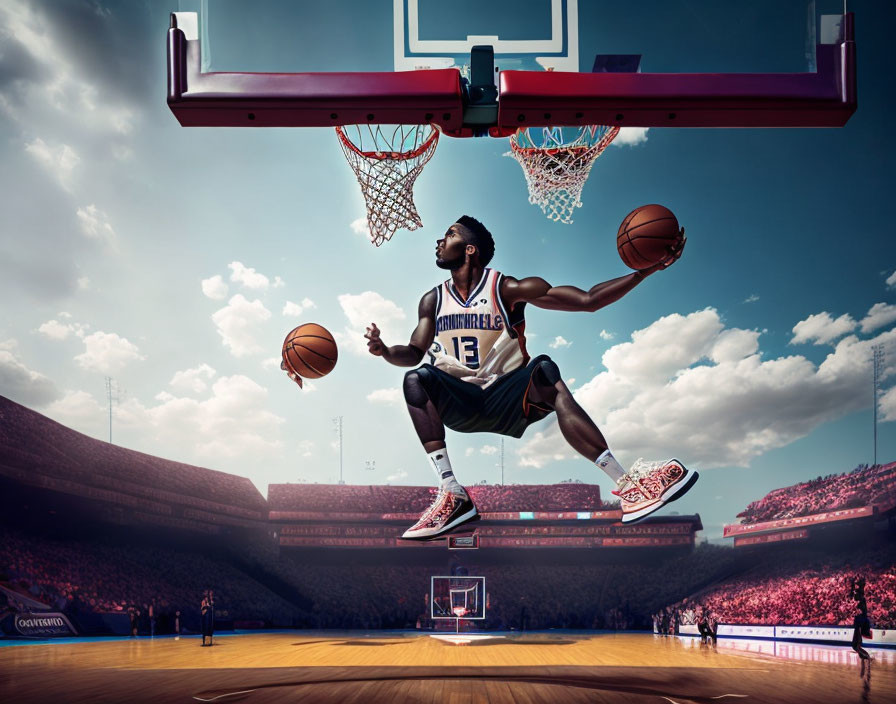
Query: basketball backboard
x=457, y=597
x=681, y=63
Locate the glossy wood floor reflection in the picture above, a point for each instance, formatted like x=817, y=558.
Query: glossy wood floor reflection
x=389, y=669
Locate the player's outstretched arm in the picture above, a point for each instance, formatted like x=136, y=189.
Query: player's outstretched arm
x=407, y=355
x=571, y=298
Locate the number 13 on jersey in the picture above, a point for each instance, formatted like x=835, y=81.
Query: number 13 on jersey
x=466, y=350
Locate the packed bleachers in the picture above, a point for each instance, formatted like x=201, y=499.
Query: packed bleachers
x=527, y=594
x=39, y=451
x=340, y=498
x=863, y=486
x=808, y=589
x=100, y=576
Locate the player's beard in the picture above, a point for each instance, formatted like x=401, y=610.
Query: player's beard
x=452, y=264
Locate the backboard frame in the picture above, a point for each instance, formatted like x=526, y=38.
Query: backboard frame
x=452, y=616
x=826, y=97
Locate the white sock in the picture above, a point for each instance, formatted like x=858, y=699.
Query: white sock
x=609, y=464
x=442, y=467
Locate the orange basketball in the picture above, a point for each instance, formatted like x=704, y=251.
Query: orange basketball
x=310, y=351
x=647, y=235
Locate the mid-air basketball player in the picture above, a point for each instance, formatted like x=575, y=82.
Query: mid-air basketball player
x=481, y=378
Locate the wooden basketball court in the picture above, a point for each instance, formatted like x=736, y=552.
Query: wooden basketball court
x=373, y=668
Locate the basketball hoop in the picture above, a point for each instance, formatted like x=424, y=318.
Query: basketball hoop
x=556, y=162
x=387, y=159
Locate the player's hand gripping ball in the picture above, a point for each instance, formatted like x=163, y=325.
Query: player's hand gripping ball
x=649, y=238
x=309, y=352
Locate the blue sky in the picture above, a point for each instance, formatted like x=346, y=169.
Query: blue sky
x=175, y=260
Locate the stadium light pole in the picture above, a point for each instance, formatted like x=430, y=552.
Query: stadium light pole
x=112, y=395
x=337, y=421
x=878, y=357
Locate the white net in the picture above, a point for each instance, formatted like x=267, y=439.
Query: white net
x=556, y=162
x=387, y=159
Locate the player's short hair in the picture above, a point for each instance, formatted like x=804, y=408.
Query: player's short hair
x=482, y=238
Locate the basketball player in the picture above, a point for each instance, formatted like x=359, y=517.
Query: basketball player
x=481, y=379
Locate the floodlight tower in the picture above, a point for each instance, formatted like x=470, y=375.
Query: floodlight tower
x=337, y=422
x=502, y=461
x=878, y=358
x=112, y=395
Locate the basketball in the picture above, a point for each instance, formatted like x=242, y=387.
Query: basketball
x=310, y=351
x=647, y=235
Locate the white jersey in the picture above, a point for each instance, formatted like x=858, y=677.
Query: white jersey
x=476, y=339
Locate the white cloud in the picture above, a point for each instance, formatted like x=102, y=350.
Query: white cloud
x=232, y=426
x=366, y=308
x=752, y=298
x=886, y=405
x=95, y=225
x=238, y=325
x=398, y=475
x=821, y=328
x=469, y=452
x=293, y=310
x=247, y=276
x=630, y=136
x=891, y=280
x=60, y=331
x=107, y=353
x=604, y=335
x=387, y=396
x=57, y=87
x=571, y=381
x=488, y=449
x=559, y=342
x=360, y=227
x=306, y=448
x=233, y=422
x=708, y=397
x=83, y=283
x=59, y=160
x=194, y=379
x=879, y=315
x=661, y=349
x=21, y=384
x=271, y=363
x=215, y=288
x=278, y=282
x=81, y=411
x=9, y=344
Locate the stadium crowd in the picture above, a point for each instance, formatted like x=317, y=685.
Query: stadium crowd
x=812, y=590
x=40, y=447
x=341, y=498
x=527, y=596
x=863, y=486
x=102, y=577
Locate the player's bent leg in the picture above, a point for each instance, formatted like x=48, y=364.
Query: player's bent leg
x=576, y=426
x=424, y=416
x=647, y=487
x=452, y=506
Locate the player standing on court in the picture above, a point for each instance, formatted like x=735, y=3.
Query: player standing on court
x=481, y=378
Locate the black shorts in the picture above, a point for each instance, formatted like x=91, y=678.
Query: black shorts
x=502, y=407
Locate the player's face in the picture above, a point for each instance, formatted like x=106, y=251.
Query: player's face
x=451, y=250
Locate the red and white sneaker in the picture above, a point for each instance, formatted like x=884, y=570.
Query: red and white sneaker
x=450, y=510
x=649, y=486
